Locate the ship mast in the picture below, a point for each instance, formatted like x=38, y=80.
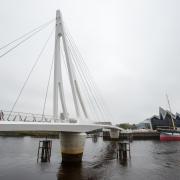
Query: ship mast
x=170, y=112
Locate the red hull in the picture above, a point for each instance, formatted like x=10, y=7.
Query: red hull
x=168, y=137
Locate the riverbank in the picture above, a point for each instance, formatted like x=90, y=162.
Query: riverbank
x=38, y=134
x=143, y=135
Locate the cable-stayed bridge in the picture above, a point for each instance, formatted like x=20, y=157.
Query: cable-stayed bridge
x=88, y=106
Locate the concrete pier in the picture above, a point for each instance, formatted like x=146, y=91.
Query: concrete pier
x=72, y=146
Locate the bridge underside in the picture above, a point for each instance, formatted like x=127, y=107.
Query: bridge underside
x=44, y=126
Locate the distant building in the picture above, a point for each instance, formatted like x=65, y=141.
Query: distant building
x=146, y=124
x=177, y=120
x=164, y=120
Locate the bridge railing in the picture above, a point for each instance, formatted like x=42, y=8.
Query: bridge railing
x=31, y=117
x=24, y=117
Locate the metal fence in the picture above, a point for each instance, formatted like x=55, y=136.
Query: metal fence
x=25, y=117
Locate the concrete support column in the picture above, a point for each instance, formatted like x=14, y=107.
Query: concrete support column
x=72, y=146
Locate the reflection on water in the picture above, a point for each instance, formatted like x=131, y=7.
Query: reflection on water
x=94, y=138
x=87, y=170
x=67, y=171
x=149, y=160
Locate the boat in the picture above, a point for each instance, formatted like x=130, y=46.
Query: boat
x=171, y=134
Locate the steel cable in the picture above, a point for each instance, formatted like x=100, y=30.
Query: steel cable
x=47, y=88
x=24, y=35
x=88, y=83
x=76, y=51
x=24, y=40
x=84, y=82
x=29, y=74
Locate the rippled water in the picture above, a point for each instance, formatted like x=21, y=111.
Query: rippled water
x=149, y=160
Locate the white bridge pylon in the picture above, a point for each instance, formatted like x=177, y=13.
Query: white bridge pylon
x=63, y=123
x=58, y=80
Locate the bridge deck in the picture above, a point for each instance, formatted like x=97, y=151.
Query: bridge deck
x=45, y=126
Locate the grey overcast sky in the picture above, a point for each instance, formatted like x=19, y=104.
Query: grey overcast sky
x=132, y=48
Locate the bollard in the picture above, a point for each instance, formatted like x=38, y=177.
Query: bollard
x=122, y=150
x=45, y=147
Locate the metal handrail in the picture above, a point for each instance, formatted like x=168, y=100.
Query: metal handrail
x=25, y=117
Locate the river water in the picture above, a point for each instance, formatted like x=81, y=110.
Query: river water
x=149, y=160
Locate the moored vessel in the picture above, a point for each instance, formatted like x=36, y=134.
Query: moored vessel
x=169, y=135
